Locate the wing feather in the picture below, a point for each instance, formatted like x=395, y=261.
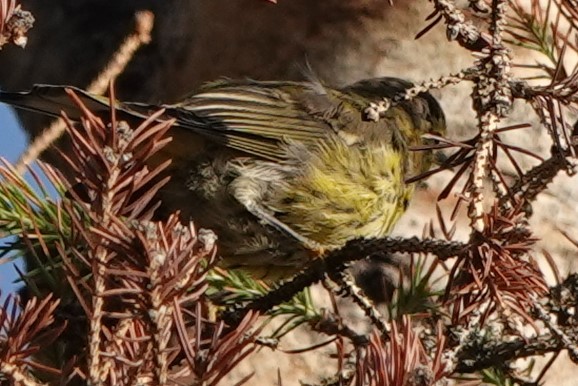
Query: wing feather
x=254, y=118
x=257, y=118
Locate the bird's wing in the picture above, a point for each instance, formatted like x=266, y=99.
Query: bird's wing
x=256, y=117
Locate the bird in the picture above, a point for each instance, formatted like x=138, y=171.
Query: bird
x=283, y=171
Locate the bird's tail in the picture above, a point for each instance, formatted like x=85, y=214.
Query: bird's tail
x=54, y=100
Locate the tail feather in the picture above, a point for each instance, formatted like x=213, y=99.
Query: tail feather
x=53, y=100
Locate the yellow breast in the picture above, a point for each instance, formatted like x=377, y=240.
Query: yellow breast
x=347, y=192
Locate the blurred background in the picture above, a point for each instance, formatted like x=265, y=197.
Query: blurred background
x=198, y=41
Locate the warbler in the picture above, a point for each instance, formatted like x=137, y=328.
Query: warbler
x=284, y=171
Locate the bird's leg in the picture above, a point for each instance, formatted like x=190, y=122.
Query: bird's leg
x=377, y=110
x=271, y=220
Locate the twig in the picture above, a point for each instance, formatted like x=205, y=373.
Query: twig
x=337, y=261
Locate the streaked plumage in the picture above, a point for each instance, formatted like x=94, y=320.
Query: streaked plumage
x=276, y=165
